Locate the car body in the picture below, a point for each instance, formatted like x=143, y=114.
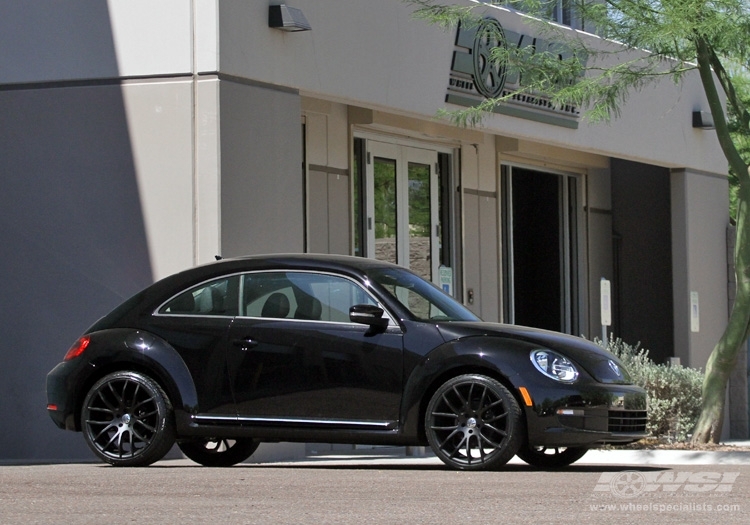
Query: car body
x=334, y=349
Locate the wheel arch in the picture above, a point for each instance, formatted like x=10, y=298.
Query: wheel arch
x=459, y=371
x=497, y=360
x=144, y=353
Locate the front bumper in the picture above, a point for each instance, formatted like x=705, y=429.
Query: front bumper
x=590, y=415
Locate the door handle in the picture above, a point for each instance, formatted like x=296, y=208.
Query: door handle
x=246, y=343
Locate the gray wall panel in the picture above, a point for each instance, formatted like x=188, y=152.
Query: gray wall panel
x=472, y=253
x=73, y=244
x=318, y=208
x=600, y=265
x=262, y=200
x=339, y=215
x=488, y=244
x=56, y=41
x=641, y=218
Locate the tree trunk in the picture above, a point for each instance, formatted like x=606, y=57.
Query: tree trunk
x=724, y=356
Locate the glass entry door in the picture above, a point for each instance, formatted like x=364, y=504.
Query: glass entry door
x=402, y=207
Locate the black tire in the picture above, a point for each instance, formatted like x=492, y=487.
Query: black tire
x=473, y=422
x=550, y=457
x=213, y=452
x=127, y=420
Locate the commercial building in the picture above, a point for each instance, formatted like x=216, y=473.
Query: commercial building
x=140, y=138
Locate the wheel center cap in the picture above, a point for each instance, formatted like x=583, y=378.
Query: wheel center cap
x=471, y=422
x=126, y=419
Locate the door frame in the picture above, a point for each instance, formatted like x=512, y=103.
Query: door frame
x=451, y=201
x=573, y=262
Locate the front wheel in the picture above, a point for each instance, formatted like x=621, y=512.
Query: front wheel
x=212, y=452
x=473, y=423
x=550, y=457
x=127, y=420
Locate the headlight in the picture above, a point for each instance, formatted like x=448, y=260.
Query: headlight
x=554, y=366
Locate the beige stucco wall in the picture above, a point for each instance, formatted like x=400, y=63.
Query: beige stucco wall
x=160, y=126
x=401, y=65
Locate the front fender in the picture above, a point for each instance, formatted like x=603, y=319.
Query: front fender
x=497, y=357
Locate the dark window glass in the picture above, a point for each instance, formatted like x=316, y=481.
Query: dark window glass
x=301, y=295
x=219, y=297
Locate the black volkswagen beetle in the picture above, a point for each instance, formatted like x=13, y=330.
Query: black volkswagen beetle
x=333, y=349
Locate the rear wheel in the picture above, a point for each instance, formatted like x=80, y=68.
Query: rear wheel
x=127, y=420
x=212, y=452
x=473, y=423
x=550, y=457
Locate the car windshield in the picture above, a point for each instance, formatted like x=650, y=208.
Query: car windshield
x=425, y=301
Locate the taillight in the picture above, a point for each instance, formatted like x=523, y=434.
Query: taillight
x=77, y=348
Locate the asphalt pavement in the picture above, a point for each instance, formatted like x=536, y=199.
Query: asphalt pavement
x=384, y=486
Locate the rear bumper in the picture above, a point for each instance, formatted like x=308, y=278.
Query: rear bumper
x=59, y=405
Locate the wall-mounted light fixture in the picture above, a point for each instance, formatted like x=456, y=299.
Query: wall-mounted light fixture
x=287, y=18
x=703, y=120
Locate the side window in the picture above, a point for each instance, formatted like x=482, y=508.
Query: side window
x=268, y=294
x=302, y=295
x=218, y=297
x=334, y=294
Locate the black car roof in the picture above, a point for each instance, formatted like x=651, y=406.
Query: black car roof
x=298, y=260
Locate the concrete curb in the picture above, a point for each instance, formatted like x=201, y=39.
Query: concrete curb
x=665, y=457
x=593, y=457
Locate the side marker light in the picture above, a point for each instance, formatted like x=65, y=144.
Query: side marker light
x=526, y=396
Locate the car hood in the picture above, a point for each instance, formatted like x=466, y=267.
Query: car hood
x=592, y=357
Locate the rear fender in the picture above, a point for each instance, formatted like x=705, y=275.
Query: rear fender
x=123, y=349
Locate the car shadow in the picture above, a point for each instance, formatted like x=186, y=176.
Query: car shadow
x=405, y=466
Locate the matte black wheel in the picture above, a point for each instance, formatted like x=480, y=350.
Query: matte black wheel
x=473, y=423
x=550, y=457
x=127, y=420
x=211, y=452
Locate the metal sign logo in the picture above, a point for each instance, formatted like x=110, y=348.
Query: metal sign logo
x=489, y=76
x=475, y=76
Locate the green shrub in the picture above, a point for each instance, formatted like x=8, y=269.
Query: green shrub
x=674, y=391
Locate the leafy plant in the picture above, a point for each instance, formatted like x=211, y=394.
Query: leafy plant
x=674, y=391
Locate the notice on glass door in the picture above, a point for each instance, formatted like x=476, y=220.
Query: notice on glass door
x=446, y=279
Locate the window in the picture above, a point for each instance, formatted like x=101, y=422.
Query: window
x=560, y=11
x=423, y=300
x=301, y=295
x=218, y=297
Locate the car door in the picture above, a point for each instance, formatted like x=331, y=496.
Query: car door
x=295, y=355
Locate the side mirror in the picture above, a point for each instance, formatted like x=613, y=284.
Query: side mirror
x=368, y=314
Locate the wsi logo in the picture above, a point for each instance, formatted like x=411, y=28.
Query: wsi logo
x=632, y=483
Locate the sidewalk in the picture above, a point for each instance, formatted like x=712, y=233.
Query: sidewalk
x=396, y=456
